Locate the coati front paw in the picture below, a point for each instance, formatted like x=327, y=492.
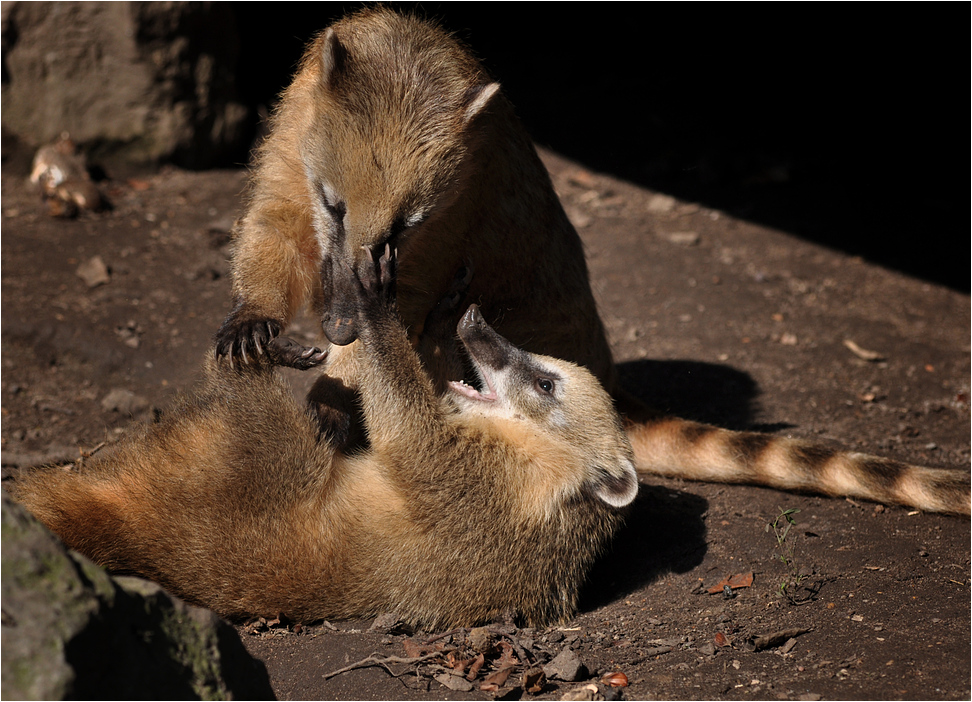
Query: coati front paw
x=284, y=351
x=240, y=339
x=377, y=280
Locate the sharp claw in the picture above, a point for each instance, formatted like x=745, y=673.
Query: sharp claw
x=256, y=343
x=245, y=358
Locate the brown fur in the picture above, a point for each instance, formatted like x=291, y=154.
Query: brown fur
x=391, y=131
x=463, y=508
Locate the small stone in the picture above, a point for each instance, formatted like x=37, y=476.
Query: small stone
x=684, y=238
x=566, y=666
x=585, y=692
x=384, y=622
x=124, y=401
x=453, y=682
x=93, y=272
x=479, y=639
x=661, y=203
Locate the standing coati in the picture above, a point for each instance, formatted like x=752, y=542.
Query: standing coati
x=465, y=506
x=391, y=132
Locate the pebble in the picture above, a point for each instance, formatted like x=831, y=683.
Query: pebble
x=124, y=401
x=566, y=666
x=94, y=272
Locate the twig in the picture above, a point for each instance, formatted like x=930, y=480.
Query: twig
x=92, y=451
x=383, y=662
x=444, y=634
x=54, y=455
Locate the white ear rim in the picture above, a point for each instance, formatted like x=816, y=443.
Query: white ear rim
x=482, y=98
x=618, y=491
x=332, y=56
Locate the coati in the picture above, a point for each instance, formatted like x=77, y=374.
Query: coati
x=391, y=132
x=472, y=504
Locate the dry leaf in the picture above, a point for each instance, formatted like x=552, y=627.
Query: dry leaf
x=615, y=679
x=534, y=680
x=477, y=664
x=498, y=677
x=733, y=581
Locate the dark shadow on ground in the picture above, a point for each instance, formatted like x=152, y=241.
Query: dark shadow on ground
x=664, y=533
x=703, y=392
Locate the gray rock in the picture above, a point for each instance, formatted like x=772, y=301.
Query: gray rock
x=69, y=630
x=124, y=401
x=94, y=272
x=566, y=666
x=132, y=82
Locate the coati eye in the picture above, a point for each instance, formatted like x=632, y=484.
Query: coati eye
x=545, y=385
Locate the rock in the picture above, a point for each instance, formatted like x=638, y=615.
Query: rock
x=566, y=666
x=453, y=682
x=684, y=238
x=585, y=692
x=94, y=272
x=124, y=401
x=480, y=639
x=69, y=630
x=131, y=82
x=661, y=203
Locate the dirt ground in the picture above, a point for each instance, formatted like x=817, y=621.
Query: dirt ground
x=710, y=317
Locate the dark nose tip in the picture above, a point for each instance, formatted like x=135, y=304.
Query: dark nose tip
x=472, y=319
x=339, y=330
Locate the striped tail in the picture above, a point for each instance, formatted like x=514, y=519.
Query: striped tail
x=682, y=449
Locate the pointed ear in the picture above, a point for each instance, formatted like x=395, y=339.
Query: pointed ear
x=477, y=99
x=333, y=58
x=617, y=487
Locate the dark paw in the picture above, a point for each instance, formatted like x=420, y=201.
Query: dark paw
x=378, y=277
x=337, y=411
x=284, y=351
x=377, y=280
x=244, y=340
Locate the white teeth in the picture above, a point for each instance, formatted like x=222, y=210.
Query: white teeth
x=469, y=391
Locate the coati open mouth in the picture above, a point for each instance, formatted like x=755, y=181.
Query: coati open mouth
x=487, y=351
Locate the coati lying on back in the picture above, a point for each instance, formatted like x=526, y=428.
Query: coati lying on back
x=476, y=503
x=392, y=132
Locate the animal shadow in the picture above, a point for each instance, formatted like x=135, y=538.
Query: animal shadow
x=703, y=392
x=663, y=533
